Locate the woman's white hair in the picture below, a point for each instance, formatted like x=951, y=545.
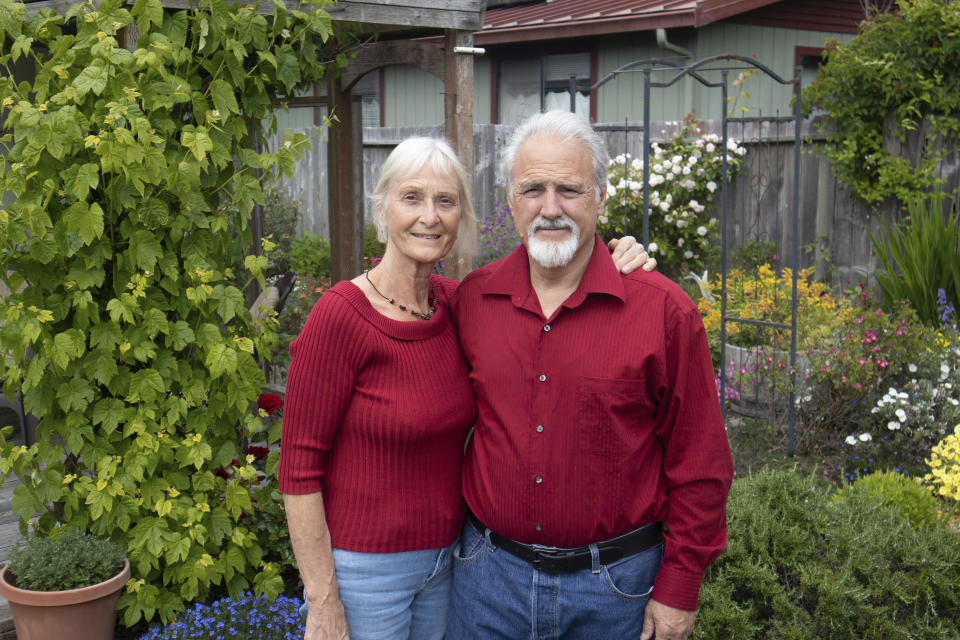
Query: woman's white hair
x=565, y=127
x=409, y=157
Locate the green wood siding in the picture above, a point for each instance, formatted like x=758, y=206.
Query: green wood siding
x=773, y=47
x=411, y=97
x=414, y=97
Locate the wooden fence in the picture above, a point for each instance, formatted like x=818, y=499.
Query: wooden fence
x=835, y=225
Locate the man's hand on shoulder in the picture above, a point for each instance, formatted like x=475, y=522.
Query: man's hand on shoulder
x=629, y=255
x=666, y=623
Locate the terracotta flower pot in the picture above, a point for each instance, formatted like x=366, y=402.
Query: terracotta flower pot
x=78, y=614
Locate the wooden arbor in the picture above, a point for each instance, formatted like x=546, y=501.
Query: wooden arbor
x=457, y=20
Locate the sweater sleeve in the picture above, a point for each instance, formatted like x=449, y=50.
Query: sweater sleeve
x=324, y=360
x=697, y=467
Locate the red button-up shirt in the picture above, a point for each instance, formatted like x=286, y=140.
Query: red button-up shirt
x=597, y=420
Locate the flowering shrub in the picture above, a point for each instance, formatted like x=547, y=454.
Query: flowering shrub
x=766, y=295
x=244, y=616
x=944, y=473
x=884, y=393
x=685, y=176
x=498, y=236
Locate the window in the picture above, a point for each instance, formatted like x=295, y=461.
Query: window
x=368, y=88
x=533, y=84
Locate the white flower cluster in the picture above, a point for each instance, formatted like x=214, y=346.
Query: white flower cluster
x=898, y=399
x=863, y=437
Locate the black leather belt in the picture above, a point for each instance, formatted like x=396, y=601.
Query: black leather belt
x=569, y=560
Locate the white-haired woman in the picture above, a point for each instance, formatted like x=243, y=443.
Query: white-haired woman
x=378, y=405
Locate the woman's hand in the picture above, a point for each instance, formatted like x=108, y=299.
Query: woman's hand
x=629, y=255
x=326, y=621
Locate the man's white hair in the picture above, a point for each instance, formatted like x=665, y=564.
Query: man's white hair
x=565, y=127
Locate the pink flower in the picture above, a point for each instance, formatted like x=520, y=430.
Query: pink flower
x=861, y=361
x=883, y=364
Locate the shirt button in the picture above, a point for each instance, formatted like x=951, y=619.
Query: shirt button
x=546, y=327
x=538, y=479
x=543, y=378
x=539, y=527
x=539, y=428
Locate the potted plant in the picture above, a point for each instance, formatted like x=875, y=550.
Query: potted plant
x=64, y=586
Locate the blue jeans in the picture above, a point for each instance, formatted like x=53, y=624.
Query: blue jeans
x=497, y=595
x=394, y=596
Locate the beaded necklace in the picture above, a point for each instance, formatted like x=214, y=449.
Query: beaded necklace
x=416, y=314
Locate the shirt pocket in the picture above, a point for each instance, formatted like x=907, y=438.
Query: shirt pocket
x=608, y=413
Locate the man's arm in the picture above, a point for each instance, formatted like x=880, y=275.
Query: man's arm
x=310, y=538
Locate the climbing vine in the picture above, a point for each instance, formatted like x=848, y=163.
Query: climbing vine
x=899, y=74
x=130, y=178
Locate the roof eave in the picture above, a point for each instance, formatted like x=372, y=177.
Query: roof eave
x=582, y=29
x=709, y=11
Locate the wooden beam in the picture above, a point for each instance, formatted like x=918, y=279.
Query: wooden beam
x=437, y=14
x=380, y=54
x=440, y=14
x=458, y=126
x=345, y=183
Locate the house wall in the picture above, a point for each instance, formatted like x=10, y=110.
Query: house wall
x=775, y=48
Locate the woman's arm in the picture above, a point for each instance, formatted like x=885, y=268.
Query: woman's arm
x=310, y=538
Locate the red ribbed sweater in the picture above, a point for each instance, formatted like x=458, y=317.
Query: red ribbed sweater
x=375, y=416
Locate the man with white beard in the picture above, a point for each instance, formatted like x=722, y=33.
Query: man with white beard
x=599, y=468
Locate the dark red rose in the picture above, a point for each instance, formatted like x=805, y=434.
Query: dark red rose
x=269, y=402
x=258, y=453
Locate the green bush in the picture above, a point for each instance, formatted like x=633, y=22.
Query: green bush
x=900, y=73
x=68, y=559
x=310, y=256
x=281, y=216
x=372, y=247
x=130, y=178
x=802, y=566
x=894, y=489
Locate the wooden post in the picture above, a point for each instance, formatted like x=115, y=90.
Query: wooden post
x=346, y=218
x=458, y=125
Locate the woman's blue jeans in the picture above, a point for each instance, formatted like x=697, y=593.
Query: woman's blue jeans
x=394, y=596
x=497, y=595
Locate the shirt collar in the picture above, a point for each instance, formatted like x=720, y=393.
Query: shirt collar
x=512, y=277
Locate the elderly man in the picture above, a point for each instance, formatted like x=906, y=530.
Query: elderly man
x=599, y=469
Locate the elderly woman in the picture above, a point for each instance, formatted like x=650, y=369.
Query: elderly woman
x=378, y=406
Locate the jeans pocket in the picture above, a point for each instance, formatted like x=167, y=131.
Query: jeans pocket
x=472, y=545
x=632, y=577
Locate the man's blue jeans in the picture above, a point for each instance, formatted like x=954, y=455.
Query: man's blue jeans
x=497, y=595
x=394, y=596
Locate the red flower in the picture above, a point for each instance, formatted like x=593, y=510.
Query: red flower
x=258, y=453
x=269, y=402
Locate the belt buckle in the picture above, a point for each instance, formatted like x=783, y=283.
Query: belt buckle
x=544, y=559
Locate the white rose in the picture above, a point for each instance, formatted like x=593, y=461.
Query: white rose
x=680, y=241
x=710, y=148
x=901, y=414
x=611, y=190
x=701, y=230
x=711, y=186
x=865, y=437
x=688, y=254
x=852, y=441
x=893, y=425
x=652, y=247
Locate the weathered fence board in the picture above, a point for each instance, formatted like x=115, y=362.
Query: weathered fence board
x=835, y=226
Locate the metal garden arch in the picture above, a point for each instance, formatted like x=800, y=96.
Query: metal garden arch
x=696, y=70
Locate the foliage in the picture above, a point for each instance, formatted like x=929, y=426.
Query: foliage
x=281, y=216
x=898, y=74
x=802, y=566
x=498, y=236
x=372, y=247
x=753, y=253
x=895, y=489
x=685, y=177
x=133, y=175
x=921, y=258
x=768, y=295
x=944, y=473
x=67, y=559
x=243, y=616
x=310, y=256
x=882, y=395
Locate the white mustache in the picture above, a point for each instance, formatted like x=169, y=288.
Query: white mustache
x=558, y=223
